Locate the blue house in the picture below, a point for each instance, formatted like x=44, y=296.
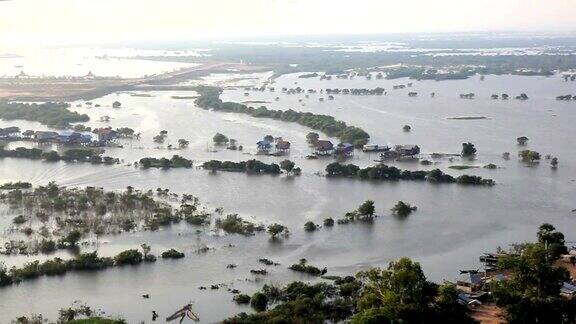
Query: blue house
x=344, y=149
x=74, y=138
x=264, y=146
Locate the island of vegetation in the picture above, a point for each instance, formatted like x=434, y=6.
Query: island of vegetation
x=250, y=166
x=53, y=114
x=83, y=262
x=175, y=162
x=383, y=172
x=54, y=217
x=210, y=99
x=70, y=155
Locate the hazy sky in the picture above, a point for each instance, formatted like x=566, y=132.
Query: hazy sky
x=118, y=19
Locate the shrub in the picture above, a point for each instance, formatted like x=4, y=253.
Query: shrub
x=328, y=222
x=242, y=299
x=402, y=209
x=172, y=254
x=53, y=267
x=131, y=256
x=309, y=226
x=259, y=301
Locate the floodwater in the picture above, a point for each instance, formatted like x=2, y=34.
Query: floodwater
x=79, y=61
x=452, y=226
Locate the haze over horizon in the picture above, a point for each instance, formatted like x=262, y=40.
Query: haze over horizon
x=23, y=21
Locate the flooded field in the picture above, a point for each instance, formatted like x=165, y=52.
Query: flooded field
x=78, y=62
x=452, y=226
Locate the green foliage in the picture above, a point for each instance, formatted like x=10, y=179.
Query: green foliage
x=175, y=162
x=220, y=139
x=19, y=220
x=309, y=226
x=312, y=137
x=71, y=239
x=276, y=229
x=234, y=224
x=15, y=185
x=259, y=301
x=302, y=266
x=531, y=294
x=468, y=149
x=402, y=209
x=382, y=172
x=328, y=222
x=529, y=156
x=47, y=246
x=287, y=165
x=250, y=166
x=52, y=114
x=90, y=261
x=172, y=254
x=131, y=256
x=548, y=235
x=242, y=299
x=71, y=155
x=210, y=99
x=53, y=267
x=367, y=209
x=5, y=278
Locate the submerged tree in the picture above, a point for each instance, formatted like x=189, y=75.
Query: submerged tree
x=468, y=149
x=367, y=209
x=287, y=166
x=220, y=139
x=402, y=209
x=276, y=229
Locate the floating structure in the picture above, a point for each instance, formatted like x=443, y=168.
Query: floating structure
x=9, y=132
x=344, y=150
x=323, y=147
x=375, y=148
x=264, y=146
x=282, y=146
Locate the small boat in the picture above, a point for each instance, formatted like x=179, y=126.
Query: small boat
x=375, y=148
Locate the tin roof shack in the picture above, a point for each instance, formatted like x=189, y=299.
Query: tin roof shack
x=344, y=150
x=45, y=136
x=74, y=138
x=10, y=132
x=106, y=134
x=28, y=133
x=263, y=146
x=324, y=147
x=407, y=150
x=470, y=282
x=282, y=147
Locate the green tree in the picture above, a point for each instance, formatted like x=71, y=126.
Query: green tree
x=259, y=301
x=468, y=149
x=399, y=293
x=402, y=209
x=367, y=209
x=276, y=229
x=182, y=143
x=529, y=156
x=220, y=139
x=312, y=137
x=287, y=165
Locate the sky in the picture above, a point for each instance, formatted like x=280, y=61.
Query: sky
x=109, y=20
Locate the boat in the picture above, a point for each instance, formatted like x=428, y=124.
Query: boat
x=375, y=148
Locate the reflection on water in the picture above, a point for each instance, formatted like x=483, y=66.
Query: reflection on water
x=452, y=226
